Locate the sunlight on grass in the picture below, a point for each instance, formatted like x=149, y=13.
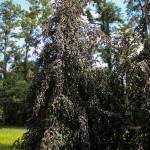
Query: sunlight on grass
x=8, y=136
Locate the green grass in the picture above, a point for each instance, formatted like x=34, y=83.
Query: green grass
x=8, y=135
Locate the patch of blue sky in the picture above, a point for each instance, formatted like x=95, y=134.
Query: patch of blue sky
x=23, y=3
x=120, y=4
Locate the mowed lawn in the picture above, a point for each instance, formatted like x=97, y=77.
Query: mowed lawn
x=9, y=135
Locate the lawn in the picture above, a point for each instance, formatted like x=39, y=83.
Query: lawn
x=8, y=135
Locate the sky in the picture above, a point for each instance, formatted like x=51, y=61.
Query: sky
x=24, y=4
x=120, y=4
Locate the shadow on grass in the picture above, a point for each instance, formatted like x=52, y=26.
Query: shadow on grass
x=4, y=146
x=12, y=127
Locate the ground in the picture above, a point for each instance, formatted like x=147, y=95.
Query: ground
x=8, y=135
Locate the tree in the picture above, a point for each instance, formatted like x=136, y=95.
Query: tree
x=31, y=23
x=109, y=14
x=28, y=25
x=75, y=106
x=14, y=88
x=9, y=14
x=125, y=45
x=140, y=11
x=140, y=68
x=59, y=119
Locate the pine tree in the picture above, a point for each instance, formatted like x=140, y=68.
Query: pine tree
x=108, y=14
x=31, y=30
x=9, y=14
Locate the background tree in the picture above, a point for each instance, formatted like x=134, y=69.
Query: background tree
x=14, y=87
x=108, y=14
x=125, y=45
x=141, y=14
x=31, y=24
x=9, y=13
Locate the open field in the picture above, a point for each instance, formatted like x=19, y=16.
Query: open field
x=8, y=135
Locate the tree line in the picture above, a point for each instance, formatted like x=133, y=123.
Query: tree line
x=20, y=33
